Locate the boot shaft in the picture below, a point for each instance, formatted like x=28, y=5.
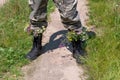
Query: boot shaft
x=77, y=44
x=37, y=41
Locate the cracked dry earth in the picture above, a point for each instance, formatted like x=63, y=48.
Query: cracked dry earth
x=56, y=63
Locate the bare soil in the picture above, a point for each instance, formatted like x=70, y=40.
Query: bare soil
x=2, y=2
x=56, y=63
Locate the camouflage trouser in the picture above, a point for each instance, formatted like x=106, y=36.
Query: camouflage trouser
x=67, y=9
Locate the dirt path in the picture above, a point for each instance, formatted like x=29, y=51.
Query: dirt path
x=56, y=63
x=2, y=2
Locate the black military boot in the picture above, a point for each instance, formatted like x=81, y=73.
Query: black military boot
x=36, y=48
x=78, y=49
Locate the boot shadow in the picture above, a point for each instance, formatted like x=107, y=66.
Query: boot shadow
x=54, y=41
x=91, y=34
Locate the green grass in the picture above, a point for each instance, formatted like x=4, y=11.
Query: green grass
x=14, y=42
x=103, y=59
